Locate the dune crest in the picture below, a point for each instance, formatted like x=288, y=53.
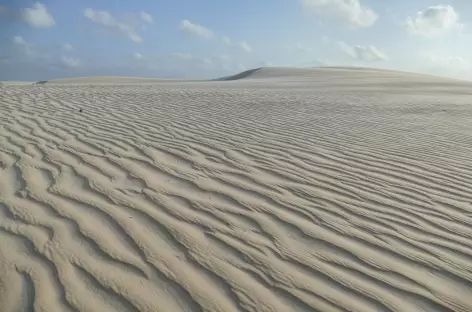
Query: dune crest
x=318, y=190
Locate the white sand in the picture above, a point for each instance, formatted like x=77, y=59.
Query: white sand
x=14, y=83
x=110, y=80
x=288, y=190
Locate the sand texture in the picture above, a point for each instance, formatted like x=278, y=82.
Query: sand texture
x=284, y=190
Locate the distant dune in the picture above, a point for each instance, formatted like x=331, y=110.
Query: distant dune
x=11, y=83
x=327, y=72
x=108, y=80
x=328, y=189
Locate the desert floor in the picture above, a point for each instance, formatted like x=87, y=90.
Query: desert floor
x=279, y=190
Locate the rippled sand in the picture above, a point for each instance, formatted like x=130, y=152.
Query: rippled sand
x=281, y=190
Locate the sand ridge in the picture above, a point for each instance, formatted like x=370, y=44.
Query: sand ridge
x=336, y=192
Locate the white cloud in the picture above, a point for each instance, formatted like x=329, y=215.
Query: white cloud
x=67, y=47
x=146, y=17
x=38, y=16
x=363, y=53
x=434, y=21
x=138, y=56
x=107, y=20
x=351, y=12
x=195, y=29
x=70, y=62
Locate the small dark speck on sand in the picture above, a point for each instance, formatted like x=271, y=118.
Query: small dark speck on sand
x=80, y=110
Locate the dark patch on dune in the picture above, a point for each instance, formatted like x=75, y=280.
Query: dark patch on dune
x=242, y=75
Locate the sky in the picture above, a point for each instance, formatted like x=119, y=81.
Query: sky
x=208, y=39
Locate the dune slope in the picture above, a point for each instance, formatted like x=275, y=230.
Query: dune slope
x=344, y=192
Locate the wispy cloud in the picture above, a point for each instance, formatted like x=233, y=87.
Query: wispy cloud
x=70, y=62
x=363, y=53
x=146, y=17
x=243, y=45
x=107, y=20
x=183, y=56
x=138, y=56
x=18, y=40
x=303, y=48
x=67, y=47
x=24, y=47
x=196, y=29
x=351, y=12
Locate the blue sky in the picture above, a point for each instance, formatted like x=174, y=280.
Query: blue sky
x=208, y=39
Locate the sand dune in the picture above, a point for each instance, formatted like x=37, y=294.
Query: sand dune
x=330, y=72
x=289, y=190
x=9, y=83
x=108, y=80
